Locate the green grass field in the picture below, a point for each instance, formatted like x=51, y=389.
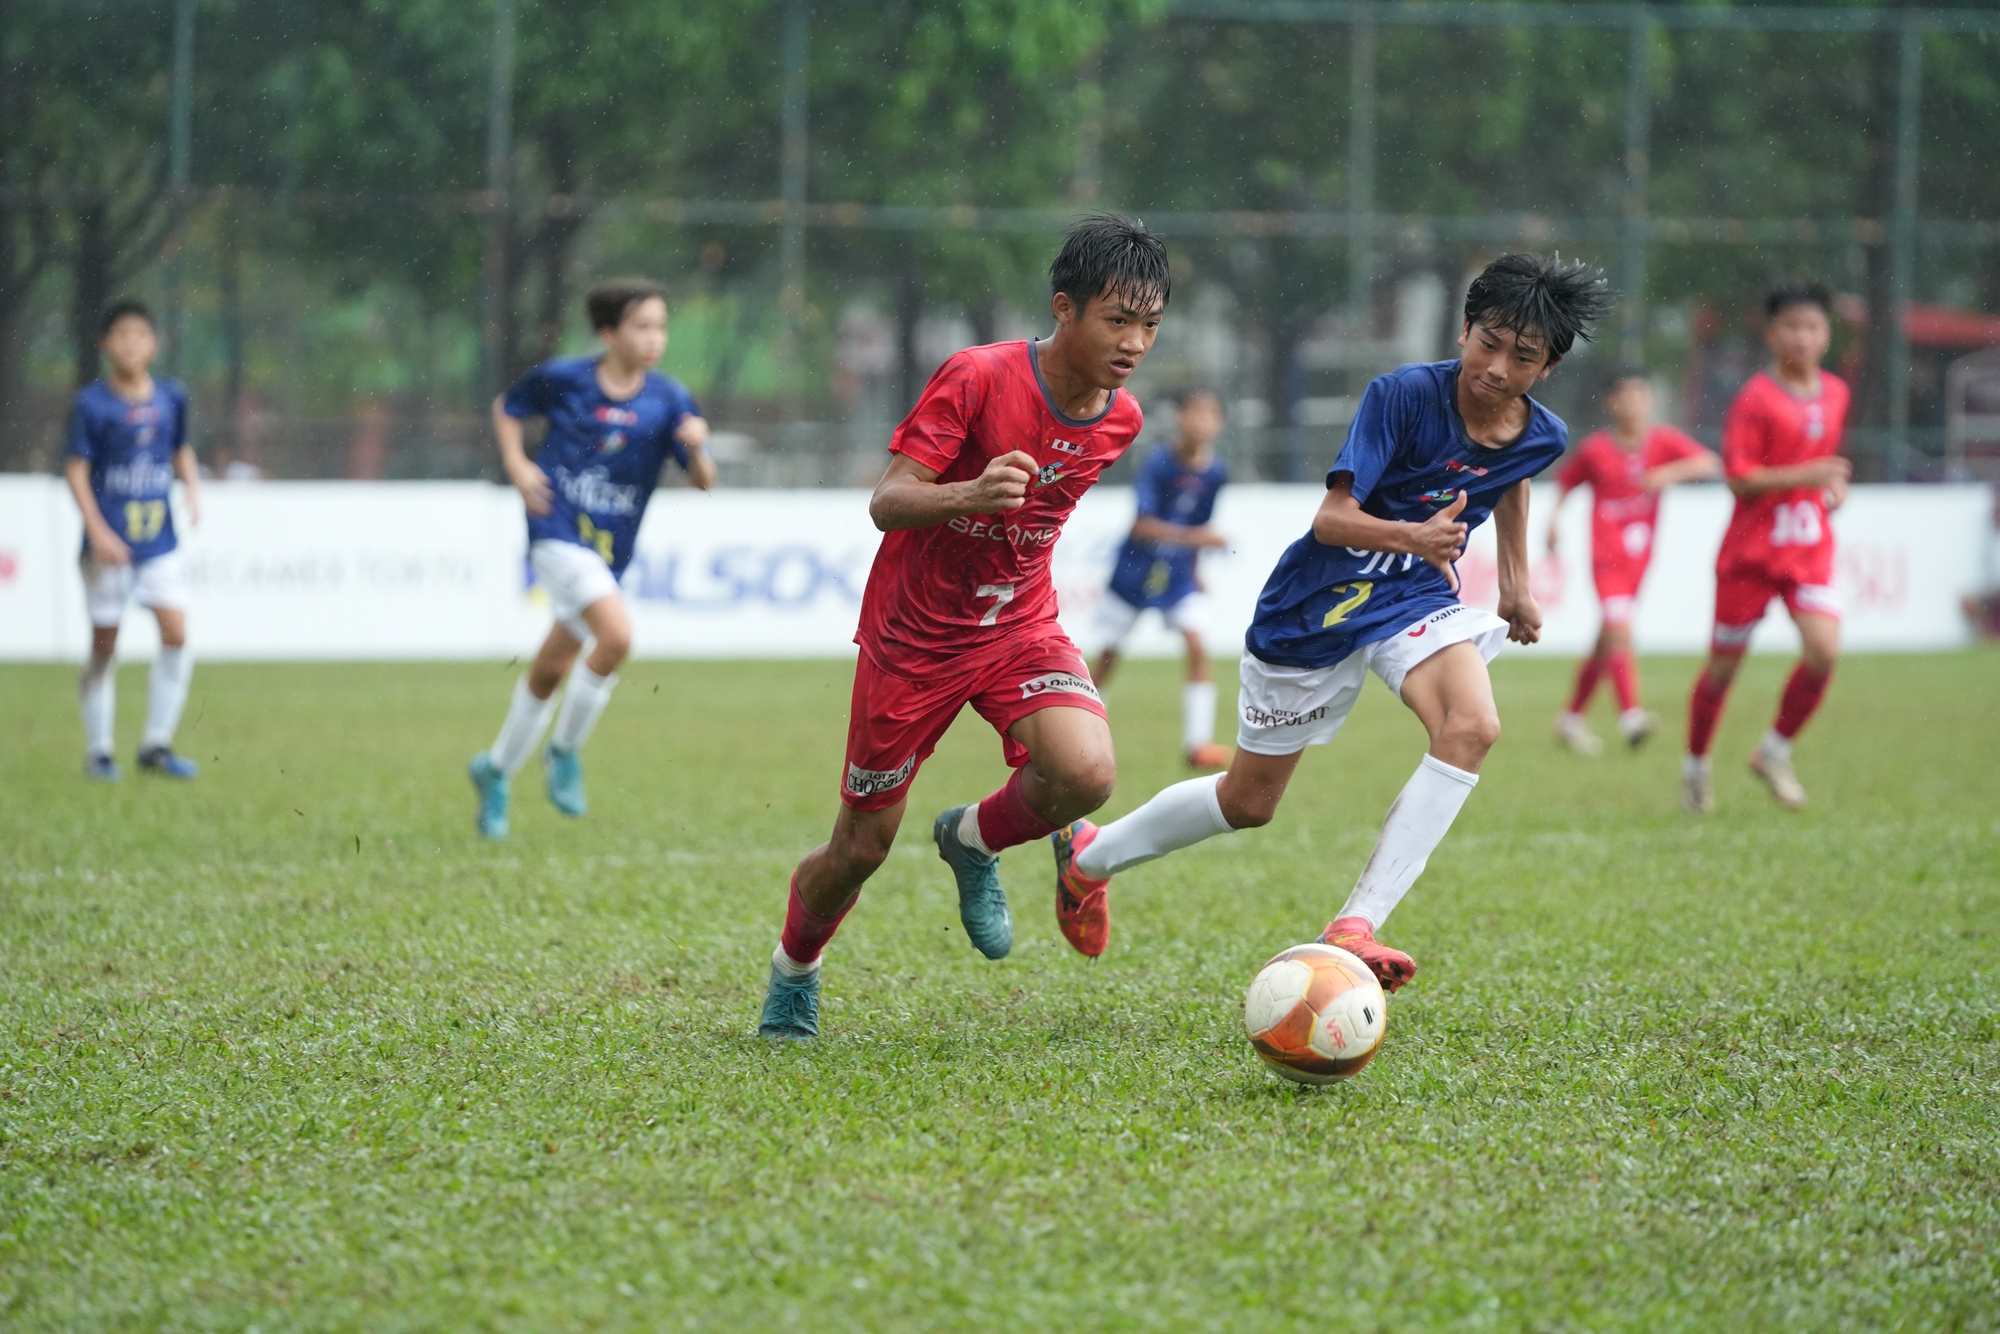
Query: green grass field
x=288, y=1048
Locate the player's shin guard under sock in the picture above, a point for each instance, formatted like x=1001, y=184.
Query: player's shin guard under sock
x=526, y=717
x=1587, y=673
x=1416, y=824
x=1624, y=673
x=1803, y=692
x=1704, y=712
x=1176, y=817
x=97, y=694
x=806, y=932
x=583, y=704
x=166, y=695
x=1003, y=820
x=1197, y=714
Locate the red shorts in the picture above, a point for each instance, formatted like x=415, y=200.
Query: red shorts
x=1742, y=596
x=894, y=722
x=1618, y=587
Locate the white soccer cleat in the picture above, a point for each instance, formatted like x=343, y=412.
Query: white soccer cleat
x=1697, y=788
x=1574, y=732
x=1635, y=725
x=1777, y=774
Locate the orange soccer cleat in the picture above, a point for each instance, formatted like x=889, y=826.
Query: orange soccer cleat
x=1083, y=905
x=1392, y=968
x=1209, y=755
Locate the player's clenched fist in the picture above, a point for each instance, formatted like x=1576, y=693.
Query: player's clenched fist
x=533, y=484
x=1004, y=484
x=1439, y=539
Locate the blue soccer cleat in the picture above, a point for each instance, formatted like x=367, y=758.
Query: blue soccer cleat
x=491, y=784
x=791, y=1008
x=563, y=773
x=162, y=761
x=982, y=904
x=101, y=769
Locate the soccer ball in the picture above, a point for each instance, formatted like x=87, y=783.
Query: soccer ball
x=1315, y=1014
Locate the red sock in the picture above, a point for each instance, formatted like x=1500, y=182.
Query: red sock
x=806, y=932
x=1704, y=712
x=1006, y=818
x=1624, y=679
x=1802, y=696
x=1587, y=673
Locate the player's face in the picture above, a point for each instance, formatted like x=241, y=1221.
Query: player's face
x=1631, y=403
x=1200, y=420
x=131, y=345
x=1112, y=334
x=1798, y=335
x=641, y=337
x=1502, y=364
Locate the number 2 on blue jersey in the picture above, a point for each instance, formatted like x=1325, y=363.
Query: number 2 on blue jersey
x=1357, y=593
x=594, y=537
x=144, y=519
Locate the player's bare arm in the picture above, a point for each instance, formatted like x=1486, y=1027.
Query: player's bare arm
x=1341, y=522
x=1150, y=529
x=528, y=479
x=910, y=495
x=1510, y=530
x=189, y=471
x=106, y=547
x=693, y=435
x=1696, y=468
x=1555, y=516
x=1832, y=471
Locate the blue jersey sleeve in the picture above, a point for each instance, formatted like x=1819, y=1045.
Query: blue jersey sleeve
x=679, y=408
x=179, y=439
x=82, y=442
x=1153, y=486
x=1373, y=438
x=533, y=394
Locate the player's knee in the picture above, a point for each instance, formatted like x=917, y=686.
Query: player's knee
x=1251, y=812
x=1474, y=731
x=1087, y=781
x=862, y=848
x=612, y=645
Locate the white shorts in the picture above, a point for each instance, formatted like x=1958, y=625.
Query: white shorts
x=574, y=577
x=159, y=584
x=1114, y=618
x=1282, y=710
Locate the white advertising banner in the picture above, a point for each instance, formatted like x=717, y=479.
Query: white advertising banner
x=384, y=570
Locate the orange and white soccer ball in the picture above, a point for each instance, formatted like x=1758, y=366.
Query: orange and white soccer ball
x=1316, y=1014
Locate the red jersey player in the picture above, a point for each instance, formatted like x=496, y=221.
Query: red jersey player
x=960, y=608
x=1781, y=451
x=1625, y=468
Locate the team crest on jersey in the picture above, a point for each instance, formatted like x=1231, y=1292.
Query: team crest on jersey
x=616, y=416
x=1050, y=472
x=1441, y=496
x=612, y=443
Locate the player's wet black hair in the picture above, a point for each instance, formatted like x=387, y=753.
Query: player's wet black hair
x=1105, y=254
x=119, y=309
x=1624, y=373
x=1540, y=294
x=1810, y=292
x=609, y=300
x=1188, y=393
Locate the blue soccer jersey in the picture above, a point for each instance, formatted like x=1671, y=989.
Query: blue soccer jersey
x=1159, y=574
x=130, y=447
x=602, y=455
x=1409, y=456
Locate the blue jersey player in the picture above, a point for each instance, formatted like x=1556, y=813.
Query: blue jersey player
x=613, y=422
x=1176, y=490
x=1433, y=451
x=127, y=443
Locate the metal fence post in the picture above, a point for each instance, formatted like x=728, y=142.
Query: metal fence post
x=180, y=134
x=499, y=158
x=1902, y=252
x=1638, y=166
x=792, y=189
x=1361, y=162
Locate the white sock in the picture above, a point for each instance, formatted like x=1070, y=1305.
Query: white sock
x=1416, y=824
x=97, y=693
x=1694, y=766
x=968, y=830
x=583, y=703
x=1176, y=817
x=526, y=717
x=1197, y=714
x=166, y=695
x=791, y=967
x=1776, y=747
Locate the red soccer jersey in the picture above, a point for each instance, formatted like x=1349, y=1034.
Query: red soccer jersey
x=1781, y=534
x=1622, y=511
x=953, y=588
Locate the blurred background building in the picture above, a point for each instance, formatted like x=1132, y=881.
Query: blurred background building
x=359, y=220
